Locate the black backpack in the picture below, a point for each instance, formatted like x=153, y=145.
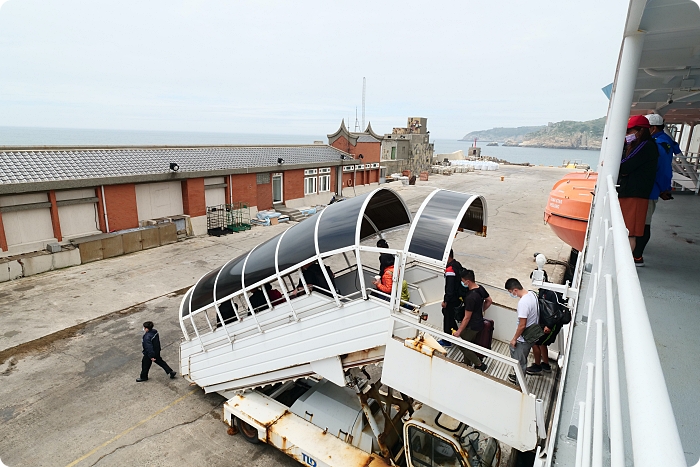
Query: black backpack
x=551, y=310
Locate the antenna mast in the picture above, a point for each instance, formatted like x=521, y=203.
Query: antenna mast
x=357, y=122
x=364, y=89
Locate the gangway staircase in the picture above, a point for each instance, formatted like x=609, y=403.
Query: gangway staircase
x=323, y=328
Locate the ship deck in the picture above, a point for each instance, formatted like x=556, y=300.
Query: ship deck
x=669, y=282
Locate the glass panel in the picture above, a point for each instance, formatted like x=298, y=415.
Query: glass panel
x=386, y=211
x=261, y=263
x=428, y=450
x=203, y=292
x=298, y=243
x=230, y=279
x=338, y=224
x=433, y=228
x=474, y=217
x=277, y=189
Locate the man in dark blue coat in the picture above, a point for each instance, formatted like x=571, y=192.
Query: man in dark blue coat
x=151, y=353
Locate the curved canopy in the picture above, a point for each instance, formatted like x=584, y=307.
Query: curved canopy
x=440, y=217
x=339, y=226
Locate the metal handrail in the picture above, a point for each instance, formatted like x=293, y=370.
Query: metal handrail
x=469, y=345
x=652, y=423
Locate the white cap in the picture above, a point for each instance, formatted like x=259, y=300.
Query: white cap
x=655, y=119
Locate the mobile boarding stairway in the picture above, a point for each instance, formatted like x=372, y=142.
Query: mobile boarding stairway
x=322, y=332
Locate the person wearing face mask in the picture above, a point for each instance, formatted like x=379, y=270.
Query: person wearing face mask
x=476, y=301
x=636, y=177
x=528, y=315
x=668, y=149
x=151, y=353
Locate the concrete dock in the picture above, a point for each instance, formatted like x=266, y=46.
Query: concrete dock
x=70, y=339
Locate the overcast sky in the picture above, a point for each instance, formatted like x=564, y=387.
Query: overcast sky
x=297, y=66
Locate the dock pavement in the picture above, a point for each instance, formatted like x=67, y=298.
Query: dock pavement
x=70, y=339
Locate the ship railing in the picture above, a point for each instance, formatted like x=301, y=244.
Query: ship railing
x=622, y=407
x=687, y=165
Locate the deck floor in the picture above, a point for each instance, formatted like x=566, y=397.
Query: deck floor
x=542, y=386
x=669, y=282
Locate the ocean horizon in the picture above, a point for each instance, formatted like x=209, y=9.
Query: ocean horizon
x=39, y=136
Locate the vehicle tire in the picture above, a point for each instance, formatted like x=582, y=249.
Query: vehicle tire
x=250, y=433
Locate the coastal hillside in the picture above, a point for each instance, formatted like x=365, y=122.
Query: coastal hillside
x=567, y=135
x=561, y=135
x=501, y=135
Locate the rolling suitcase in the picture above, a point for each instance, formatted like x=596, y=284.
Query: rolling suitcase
x=485, y=336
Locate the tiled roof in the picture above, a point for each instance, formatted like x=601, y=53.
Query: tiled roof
x=29, y=166
x=365, y=138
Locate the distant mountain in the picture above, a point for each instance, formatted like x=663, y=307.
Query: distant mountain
x=502, y=135
x=567, y=135
x=560, y=135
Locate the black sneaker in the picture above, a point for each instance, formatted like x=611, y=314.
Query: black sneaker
x=512, y=378
x=482, y=367
x=533, y=369
x=141, y=380
x=639, y=262
x=546, y=367
x=172, y=375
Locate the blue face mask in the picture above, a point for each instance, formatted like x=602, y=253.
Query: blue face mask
x=512, y=295
x=464, y=285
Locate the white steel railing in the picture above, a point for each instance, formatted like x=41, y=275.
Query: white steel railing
x=631, y=408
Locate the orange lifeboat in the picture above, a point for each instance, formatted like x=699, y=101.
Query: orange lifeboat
x=569, y=206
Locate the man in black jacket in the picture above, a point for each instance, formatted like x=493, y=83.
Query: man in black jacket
x=452, y=298
x=151, y=353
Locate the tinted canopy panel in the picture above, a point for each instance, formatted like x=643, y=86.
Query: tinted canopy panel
x=384, y=211
x=432, y=232
x=202, y=295
x=338, y=224
x=261, y=262
x=297, y=244
x=230, y=278
x=186, y=303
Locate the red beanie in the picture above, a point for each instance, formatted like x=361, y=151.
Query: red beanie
x=639, y=121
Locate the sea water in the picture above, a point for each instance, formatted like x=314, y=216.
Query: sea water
x=535, y=156
x=22, y=136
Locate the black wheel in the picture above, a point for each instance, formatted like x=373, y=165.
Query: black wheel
x=250, y=433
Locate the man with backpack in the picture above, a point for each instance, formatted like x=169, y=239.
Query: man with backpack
x=476, y=300
x=452, y=299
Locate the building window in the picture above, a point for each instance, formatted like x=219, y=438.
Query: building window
x=324, y=183
x=393, y=153
x=309, y=186
x=262, y=179
x=310, y=172
x=324, y=171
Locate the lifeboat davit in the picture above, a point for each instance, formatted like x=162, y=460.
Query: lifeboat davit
x=569, y=206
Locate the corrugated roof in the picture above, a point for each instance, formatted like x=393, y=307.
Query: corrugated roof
x=29, y=166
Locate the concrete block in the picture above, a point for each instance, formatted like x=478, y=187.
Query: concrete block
x=112, y=246
x=199, y=225
x=150, y=238
x=168, y=233
x=37, y=264
x=66, y=258
x=90, y=251
x=131, y=241
x=15, y=269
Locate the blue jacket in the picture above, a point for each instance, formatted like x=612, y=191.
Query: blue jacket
x=664, y=169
